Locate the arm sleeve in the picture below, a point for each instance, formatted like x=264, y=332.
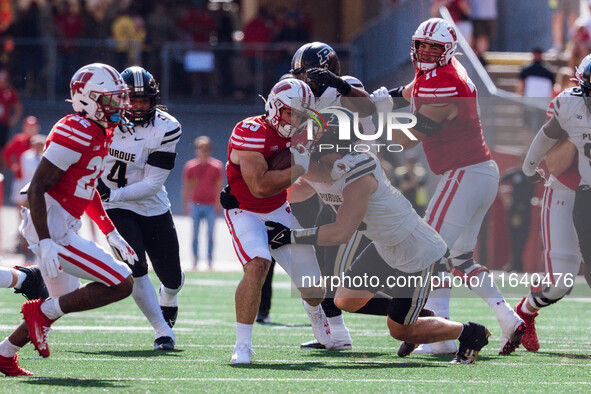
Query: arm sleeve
x=537, y=150
x=97, y=214
x=153, y=181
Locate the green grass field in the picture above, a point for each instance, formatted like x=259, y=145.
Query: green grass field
x=110, y=349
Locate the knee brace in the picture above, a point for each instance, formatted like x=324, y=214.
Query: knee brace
x=547, y=295
x=465, y=267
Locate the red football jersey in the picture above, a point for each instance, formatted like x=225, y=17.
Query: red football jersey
x=254, y=134
x=571, y=177
x=460, y=141
x=78, y=146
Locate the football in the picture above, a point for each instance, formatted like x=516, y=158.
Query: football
x=280, y=160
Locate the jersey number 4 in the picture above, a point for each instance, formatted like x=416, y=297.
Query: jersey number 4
x=117, y=173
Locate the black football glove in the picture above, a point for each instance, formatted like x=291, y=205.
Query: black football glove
x=227, y=200
x=278, y=234
x=103, y=190
x=322, y=76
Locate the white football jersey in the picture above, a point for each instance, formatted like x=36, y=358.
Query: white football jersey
x=331, y=97
x=389, y=218
x=575, y=118
x=127, y=162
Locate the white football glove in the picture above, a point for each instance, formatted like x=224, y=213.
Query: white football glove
x=49, y=262
x=301, y=156
x=121, y=248
x=382, y=100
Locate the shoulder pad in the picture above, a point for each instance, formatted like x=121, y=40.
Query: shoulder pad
x=353, y=166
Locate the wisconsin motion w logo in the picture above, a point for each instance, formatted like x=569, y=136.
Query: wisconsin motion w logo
x=345, y=124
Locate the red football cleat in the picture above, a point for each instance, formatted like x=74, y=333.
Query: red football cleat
x=39, y=325
x=530, y=338
x=9, y=367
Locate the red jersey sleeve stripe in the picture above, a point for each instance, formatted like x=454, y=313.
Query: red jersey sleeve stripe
x=421, y=89
x=75, y=131
x=244, y=145
x=437, y=94
x=71, y=137
x=249, y=139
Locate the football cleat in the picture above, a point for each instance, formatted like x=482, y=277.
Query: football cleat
x=320, y=325
x=331, y=345
x=407, y=348
x=33, y=286
x=470, y=347
x=39, y=325
x=263, y=319
x=164, y=343
x=530, y=337
x=512, y=329
x=170, y=313
x=9, y=367
x=444, y=347
x=241, y=354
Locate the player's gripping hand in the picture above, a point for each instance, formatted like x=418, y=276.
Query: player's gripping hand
x=121, y=248
x=322, y=76
x=103, y=190
x=49, y=262
x=227, y=200
x=301, y=157
x=538, y=176
x=278, y=234
x=382, y=100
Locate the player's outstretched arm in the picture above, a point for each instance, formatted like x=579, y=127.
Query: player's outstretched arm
x=350, y=214
x=261, y=181
x=46, y=175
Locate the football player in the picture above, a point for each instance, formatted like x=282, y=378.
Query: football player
x=62, y=189
x=25, y=280
x=132, y=189
x=318, y=64
x=261, y=195
x=444, y=101
x=565, y=214
x=404, y=247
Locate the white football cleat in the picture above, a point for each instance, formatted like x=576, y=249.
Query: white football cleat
x=445, y=347
x=320, y=325
x=512, y=329
x=242, y=354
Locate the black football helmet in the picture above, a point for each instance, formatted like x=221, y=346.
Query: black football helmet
x=326, y=125
x=142, y=84
x=314, y=54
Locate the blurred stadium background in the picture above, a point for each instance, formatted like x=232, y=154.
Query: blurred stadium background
x=213, y=58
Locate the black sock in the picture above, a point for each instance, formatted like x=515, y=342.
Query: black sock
x=466, y=332
x=377, y=306
x=330, y=309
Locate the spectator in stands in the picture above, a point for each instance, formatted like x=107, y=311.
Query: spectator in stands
x=291, y=33
x=161, y=28
x=258, y=31
x=483, y=14
x=70, y=25
x=13, y=152
x=536, y=80
x=518, y=207
x=580, y=39
x=460, y=13
x=564, y=79
x=129, y=33
x=224, y=30
x=568, y=10
x=11, y=108
x=30, y=63
x=202, y=183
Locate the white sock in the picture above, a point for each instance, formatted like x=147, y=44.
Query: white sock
x=7, y=349
x=51, y=308
x=6, y=277
x=525, y=310
x=309, y=308
x=438, y=302
x=243, y=334
x=169, y=297
x=490, y=293
x=145, y=297
x=336, y=323
x=20, y=278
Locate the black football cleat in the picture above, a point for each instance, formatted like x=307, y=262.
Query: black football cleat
x=164, y=343
x=470, y=346
x=312, y=345
x=406, y=348
x=33, y=286
x=170, y=313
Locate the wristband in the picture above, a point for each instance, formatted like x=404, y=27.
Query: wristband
x=308, y=236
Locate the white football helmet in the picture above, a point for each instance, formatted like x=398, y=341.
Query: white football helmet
x=99, y=93
x=434, y=31
x=293, y=94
